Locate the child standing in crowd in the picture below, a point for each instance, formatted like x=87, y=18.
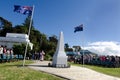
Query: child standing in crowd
x=4, y=50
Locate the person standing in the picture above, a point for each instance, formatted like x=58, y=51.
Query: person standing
x=42, y=55
x=1, y=51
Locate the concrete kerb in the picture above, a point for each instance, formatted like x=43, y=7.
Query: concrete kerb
x=65, y=78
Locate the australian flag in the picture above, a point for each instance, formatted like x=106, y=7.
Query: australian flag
x=27, y=10
x=78, y=28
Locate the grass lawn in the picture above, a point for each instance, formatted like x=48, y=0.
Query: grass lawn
x=108, y=71
x=13, y=71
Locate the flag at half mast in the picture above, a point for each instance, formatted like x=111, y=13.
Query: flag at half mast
x=26, y=10
x=78, y=28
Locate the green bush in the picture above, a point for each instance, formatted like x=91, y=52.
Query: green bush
x=49, y=55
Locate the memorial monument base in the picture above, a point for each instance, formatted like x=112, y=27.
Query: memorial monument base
x=59, y=65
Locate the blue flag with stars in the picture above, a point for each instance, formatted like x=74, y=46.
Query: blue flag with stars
x=78, y=28
x=26, y=10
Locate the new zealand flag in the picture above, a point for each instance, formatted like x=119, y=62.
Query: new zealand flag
x=27, y=10
x=78, y=28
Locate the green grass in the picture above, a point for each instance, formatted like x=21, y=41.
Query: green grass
x=13, y=71
x=109, y=71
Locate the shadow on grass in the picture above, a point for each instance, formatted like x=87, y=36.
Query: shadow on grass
x=33, y=65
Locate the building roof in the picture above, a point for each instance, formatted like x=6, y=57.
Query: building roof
x=15, y=37
x=81, y=52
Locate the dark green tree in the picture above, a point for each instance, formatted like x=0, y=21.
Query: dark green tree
x=67, y=48
x=20, y=49
x=20, y=29
x=77, y=48
x=5, y=26
x=53, y=39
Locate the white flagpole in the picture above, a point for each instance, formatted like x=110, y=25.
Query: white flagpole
x=83, y=49
x=28, y=35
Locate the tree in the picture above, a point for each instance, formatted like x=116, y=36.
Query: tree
x=19, y=49
x=27, y=23
x=5, y=26
x=77, y=48
x=52, y=44
x=67, y=48
x=4, y=23
x=53, y=39
x=20, y=29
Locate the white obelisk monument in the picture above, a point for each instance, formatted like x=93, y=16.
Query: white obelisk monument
x=60, y=58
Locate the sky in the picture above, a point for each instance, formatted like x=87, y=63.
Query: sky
x=101, y=20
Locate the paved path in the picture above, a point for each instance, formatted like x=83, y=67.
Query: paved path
x=72, y=73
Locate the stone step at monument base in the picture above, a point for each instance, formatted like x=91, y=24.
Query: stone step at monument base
x=59, y=65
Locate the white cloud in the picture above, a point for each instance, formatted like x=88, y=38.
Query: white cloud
x=104, y=48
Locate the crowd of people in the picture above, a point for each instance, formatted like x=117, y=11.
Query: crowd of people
x=5, y=52
x=106, y=61
x=98, y=60
x=38, y=55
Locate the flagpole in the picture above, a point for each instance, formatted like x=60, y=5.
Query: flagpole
x=28, y=35
x=80, y=28
x=83, y=48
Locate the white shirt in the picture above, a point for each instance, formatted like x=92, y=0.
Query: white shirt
x=1, y=50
